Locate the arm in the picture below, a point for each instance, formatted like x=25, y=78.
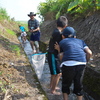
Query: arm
x=60, y=54
x=33, y=30
x=88, y=53
x=37, y=29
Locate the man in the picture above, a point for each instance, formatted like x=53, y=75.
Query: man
x=33, y=27
x=62, y=22
x=74, y=57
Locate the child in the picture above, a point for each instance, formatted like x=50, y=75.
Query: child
x=75, y=55
x=23, y=36
x=62, y=22
x=23, y=33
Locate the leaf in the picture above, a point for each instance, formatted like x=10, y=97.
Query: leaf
x=73, y=5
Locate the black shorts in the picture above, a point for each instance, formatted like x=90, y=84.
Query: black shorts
x=35, y=36
x=72, y=74
x=53, y=64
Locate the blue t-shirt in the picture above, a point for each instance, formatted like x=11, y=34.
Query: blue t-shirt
x=22, y=28
x=73, y=49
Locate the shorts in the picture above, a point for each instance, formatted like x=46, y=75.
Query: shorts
x=53, y=64
x=35, y=36
x=73, y=74
x=23, y=34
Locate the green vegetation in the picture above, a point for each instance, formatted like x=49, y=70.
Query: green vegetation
x=3, y=14
x=23, y=23
x=10, y=32
x=76, y=8
x=16, y=49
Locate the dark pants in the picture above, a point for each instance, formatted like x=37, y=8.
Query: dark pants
x=35, y=36
x=53, y=64
x=72, y=74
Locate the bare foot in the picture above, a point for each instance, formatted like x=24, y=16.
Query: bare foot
x=57, y=88
x=55, y=93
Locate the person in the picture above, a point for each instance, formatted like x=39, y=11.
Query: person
x=61, y=22
x=33, y=27
x=74, y=57
x=23, y=33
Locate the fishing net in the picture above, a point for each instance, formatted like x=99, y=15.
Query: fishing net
x=38, y=61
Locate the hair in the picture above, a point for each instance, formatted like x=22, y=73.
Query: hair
x=69, y=36
x=19, y=25
x=62, y=21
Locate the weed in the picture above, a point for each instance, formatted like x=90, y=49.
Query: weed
x=10, y=32
x=15, y=49
x=1, y=73
x=26, y=93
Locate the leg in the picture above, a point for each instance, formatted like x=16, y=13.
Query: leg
x=37, y=46
x=24, y=38
x=57, y=79
x=51, y=81
x=55, y=73
x=65, y=96
x=32, y=45
x=78, y=86
x=79, y=97
x=55, y=82
x=32, y=42
x=67, y=78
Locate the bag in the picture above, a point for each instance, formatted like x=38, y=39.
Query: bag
x=38, y=61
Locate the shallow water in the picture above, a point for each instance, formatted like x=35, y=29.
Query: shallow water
x=45, y=74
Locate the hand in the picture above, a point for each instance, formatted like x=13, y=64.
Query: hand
x=56, y=46
x=31, y=30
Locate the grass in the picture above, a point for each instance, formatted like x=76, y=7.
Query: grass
x=3, y=14
x=23, y=23
x=16, y=49
x=10, y=32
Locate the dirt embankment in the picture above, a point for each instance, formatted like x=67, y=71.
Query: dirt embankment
x=87, y=29
x=18, y=80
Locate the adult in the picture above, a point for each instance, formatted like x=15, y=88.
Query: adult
x=74, y=57
x=33, y=27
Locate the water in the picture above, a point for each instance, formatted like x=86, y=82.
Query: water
x=43, y=74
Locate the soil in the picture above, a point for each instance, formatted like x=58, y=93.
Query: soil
x=87, y=28
x=18, y=80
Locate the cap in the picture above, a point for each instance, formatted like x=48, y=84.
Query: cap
x=69, y=32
